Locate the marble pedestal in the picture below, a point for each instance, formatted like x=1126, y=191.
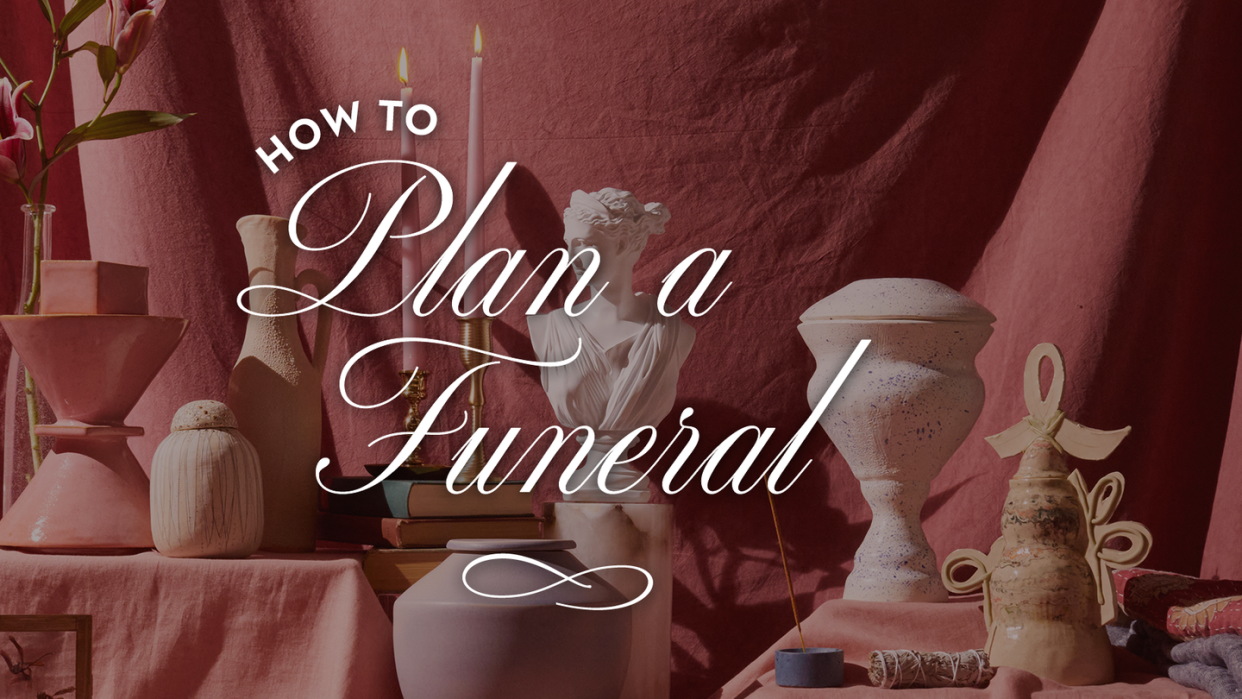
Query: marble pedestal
x=637, y=534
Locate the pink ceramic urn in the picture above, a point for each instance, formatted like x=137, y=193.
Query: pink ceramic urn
x=454, y=643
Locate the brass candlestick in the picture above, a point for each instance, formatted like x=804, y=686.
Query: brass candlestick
x=414, y=467
x=476, y=333
x=414, y=393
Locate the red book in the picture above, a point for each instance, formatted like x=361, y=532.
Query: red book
x=424, y=533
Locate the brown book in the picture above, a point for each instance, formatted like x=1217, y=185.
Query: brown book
x=423, y=499
x=394, y=570
x=424, y=533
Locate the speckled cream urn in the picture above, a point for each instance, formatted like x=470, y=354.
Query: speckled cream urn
x=899, y=416
x=206, y=488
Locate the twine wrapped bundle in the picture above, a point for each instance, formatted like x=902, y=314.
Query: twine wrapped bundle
x=898, y=669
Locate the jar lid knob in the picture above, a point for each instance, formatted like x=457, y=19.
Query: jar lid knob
x=203, y=414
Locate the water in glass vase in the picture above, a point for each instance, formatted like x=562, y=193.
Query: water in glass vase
x=22, y=399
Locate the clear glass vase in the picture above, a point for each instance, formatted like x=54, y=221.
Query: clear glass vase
x=23, y=451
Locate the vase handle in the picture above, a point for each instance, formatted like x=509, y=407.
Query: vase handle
x=323, y=325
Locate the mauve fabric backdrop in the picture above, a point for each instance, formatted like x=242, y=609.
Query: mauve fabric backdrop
x=1074, y=166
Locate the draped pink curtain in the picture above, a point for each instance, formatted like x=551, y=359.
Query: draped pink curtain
x=1074, y=166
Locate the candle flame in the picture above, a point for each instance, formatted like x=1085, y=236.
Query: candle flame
x=403, y=69
x=478, y=41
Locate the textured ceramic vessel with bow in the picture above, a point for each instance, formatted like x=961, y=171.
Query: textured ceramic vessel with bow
x=1047, y=581
x=906, y=407
x=275, y=390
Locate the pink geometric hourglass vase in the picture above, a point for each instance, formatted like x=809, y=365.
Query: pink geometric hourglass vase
x=90, y=495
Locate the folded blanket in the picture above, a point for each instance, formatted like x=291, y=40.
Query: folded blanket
x=1183, y=606
x=1212, y=664
x=1141, y=639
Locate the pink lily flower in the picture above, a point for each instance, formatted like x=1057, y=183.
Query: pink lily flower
x=129, y=28
x=13, y=130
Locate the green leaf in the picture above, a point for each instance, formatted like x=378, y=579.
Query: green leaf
x=78, y=14
x=46, y=7
x=110, y=126
x=105, y=59
x=120, y=125
x=67, y=142
x=91, y=46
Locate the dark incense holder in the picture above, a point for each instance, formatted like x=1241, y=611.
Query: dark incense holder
x=812, y=667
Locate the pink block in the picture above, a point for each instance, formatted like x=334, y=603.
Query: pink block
x=93, y=288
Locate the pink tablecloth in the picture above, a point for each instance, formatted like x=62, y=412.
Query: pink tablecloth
x=861, y=627
x=269, y=626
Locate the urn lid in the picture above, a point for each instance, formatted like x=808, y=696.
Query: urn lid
x=509, y=545
x=898, y=299
x=202, y=415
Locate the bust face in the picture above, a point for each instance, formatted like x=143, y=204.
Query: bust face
x=579, y=235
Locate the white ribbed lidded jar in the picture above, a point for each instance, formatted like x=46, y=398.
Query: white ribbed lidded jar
x=206, y=488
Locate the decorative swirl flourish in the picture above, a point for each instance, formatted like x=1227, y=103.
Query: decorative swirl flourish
x=572, y=579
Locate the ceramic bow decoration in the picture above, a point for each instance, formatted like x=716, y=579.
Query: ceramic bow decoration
x=1047, y=583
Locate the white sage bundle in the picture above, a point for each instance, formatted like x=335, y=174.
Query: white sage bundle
x=898, y=669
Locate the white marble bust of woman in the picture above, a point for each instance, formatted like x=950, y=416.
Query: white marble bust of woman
x=626, y=376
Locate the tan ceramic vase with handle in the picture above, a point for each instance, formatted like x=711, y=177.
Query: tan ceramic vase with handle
x=275, y=391
x=1047, y=581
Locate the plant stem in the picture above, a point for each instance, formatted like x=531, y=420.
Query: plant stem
x=7, y=72
x=32, y=300
x=29, y=100
x=38, y=129
x=32, y=418
x=44, y=157
x=107, y=101
x=28, y=308
x=52, y=75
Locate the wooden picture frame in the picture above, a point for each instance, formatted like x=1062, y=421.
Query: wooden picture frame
x=78, y=624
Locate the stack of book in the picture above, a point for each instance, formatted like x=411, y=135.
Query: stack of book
x=409, y=523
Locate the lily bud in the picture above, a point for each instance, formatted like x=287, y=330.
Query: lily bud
x=13, y=130
x=130, y=23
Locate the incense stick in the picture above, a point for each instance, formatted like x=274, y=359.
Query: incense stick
x=785, y=564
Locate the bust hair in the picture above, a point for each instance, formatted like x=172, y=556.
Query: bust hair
x=619, y=215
